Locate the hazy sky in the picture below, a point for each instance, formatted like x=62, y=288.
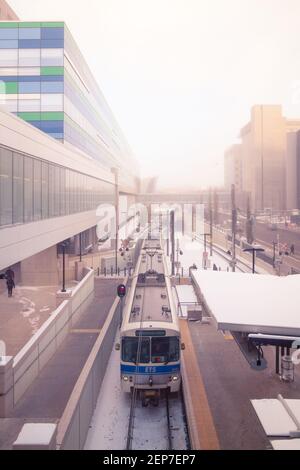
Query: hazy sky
x=181, y=75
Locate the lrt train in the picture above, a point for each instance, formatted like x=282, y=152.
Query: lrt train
x=150, y=345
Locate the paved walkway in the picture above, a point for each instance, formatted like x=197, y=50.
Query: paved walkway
x=23, y=314
x=46, y=398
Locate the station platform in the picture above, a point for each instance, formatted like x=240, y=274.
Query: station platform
x=230, y=384
x=202, y=431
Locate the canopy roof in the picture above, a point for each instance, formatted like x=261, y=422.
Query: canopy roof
x=251, y=303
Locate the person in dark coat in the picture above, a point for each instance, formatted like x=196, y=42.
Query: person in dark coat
x=215, y=267
x=9, y=273
x=10, y=286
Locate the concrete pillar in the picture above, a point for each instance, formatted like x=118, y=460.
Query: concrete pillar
x=61, y=296
x=36, y=436
x=41, y=269
x=6, y=386
x=79, y=265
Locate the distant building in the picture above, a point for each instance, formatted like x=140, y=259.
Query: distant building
x=264, y=149
x=293, y=171
x=6, y=12
x=233, y=167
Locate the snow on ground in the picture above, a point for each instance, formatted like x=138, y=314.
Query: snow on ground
x=109, y=425
x=193, y=253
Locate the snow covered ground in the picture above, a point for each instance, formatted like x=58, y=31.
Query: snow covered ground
x=109, y=425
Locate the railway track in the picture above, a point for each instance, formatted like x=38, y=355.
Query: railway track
x=150, y=428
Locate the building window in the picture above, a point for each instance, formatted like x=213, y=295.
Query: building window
x=52, y=102
x=9, y=58
x=37, y=190
x=5, y=187
x=29, y=57
x=8, y=33
x=30, y=33
x=52, y=57
x=28, y=189
x=45, y=190
x=18, y=188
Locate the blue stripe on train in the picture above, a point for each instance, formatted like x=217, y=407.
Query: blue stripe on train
x=150, y=369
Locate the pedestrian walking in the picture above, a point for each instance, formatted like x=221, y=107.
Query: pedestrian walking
x=10, y=286
x=9, y=273
x=215, y=267
x=10, y=281
x=292, y=249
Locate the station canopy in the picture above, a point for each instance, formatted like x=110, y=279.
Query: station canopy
x=251, y=303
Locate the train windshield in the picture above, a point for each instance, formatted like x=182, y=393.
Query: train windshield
x=165, y=349
x=132, y=352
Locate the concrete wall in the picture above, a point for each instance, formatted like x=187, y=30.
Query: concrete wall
x=41, y=269
x=74, y=424
x=29, y=362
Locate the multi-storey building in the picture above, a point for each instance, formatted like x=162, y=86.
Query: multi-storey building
x=62, y=152
x=293, y=171
x=233, y=167
x=45, y=80
x=264, y=149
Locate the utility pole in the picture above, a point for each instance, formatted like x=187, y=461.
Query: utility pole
x=172, y=224
x=116, y=173
x=233, y=220
x=262, y=159
x=216, y=207
x=210, y=224
x=80, y=246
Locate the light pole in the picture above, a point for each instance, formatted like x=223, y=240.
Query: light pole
x=274, y=253
x=233, y=225
x=253, y=250
x=178, y=252
x=172, y=223
x=63, y=245
x=205, y=235
x=80, y=247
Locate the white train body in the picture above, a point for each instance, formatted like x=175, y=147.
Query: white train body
x=150, y=344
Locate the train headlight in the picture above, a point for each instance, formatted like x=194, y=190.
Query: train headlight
x=175, y=378
x=125, y=378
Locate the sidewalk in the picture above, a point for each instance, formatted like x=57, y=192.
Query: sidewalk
x=23, y=314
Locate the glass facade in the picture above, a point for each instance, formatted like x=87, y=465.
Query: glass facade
x=32, y=73
x=45, y=80
x=32, y=190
